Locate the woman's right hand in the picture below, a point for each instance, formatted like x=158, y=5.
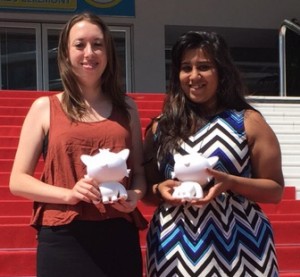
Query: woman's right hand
x=86, y=189
x=164, y=190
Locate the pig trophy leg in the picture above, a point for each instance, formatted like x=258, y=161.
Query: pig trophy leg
x=188, y=191
x=112, y=192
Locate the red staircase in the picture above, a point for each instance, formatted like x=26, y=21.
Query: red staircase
x=17, y=239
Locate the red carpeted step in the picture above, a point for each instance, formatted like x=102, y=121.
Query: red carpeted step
x=20, y=102
x=4, y=178
x=149, y=113
x=147, y=96
x=18, y=263
x=288, y=257
x=8, y=152
x=284, y=217
x=17, y=236
x=13, y=110
x=15, y=94
x=11, y=120
x=285, y=206
x=146, y=208
x=19, y=219
x=155, y=105
x=289, y=193
x=9, y=141
x=286, y=232
x=6, y=165
x=15, y=207
x=9, y=130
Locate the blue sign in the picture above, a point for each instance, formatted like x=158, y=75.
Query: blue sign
x=100, y=7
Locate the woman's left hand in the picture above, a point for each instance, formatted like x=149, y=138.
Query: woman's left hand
x=128, y=205
x=223, y=182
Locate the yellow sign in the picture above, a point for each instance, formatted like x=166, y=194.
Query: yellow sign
x=101, y=7
x=40, y=4
x=103, y=3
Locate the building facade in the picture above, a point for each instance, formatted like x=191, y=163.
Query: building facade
x=144, y=32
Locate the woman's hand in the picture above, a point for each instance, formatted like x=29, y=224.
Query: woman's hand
x=128, y=205
x=164, y=190
x=223, y=183
x=86, y=189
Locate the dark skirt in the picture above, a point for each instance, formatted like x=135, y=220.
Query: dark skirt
x=107, y=248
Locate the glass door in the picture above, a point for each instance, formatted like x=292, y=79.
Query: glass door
x=20, y=56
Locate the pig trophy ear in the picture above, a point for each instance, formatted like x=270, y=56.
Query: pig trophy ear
x=213, y=161
x=124, y=154
x=85, y=159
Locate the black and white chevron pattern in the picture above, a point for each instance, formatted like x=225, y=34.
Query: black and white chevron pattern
x=231, y=236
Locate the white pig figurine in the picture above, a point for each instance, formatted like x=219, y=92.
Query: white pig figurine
x=191, y=170
x=108, y=169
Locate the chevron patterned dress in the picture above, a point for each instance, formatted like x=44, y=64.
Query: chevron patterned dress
x=230, y=236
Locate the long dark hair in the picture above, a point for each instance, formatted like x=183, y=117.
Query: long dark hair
x=180, y=116
x=72, y=100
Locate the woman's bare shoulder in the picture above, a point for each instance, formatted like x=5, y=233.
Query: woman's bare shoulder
x=43, y=103
x=254, y=119
x=40, y=104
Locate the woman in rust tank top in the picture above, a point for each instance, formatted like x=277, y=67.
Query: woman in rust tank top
x=75, y=236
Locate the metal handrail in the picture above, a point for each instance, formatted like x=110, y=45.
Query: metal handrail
x=287, y=24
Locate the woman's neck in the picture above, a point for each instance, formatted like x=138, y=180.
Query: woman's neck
x=205, y=110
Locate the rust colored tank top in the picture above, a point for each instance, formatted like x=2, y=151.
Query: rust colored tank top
x=67, y=142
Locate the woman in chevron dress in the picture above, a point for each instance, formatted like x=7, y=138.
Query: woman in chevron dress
x=205, y=111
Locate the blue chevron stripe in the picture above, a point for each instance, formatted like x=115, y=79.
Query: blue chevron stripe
x=212, y=234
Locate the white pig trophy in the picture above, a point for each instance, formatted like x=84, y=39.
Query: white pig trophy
x=108, y=169
x=191, y=170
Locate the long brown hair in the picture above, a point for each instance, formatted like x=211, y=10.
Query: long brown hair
x=180, y=116
x=72, y=99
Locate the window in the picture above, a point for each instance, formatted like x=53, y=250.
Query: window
x=20, y=56
x=28, y=58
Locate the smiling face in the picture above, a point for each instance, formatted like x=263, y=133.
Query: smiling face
x=199, y=78
x=87, y=52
